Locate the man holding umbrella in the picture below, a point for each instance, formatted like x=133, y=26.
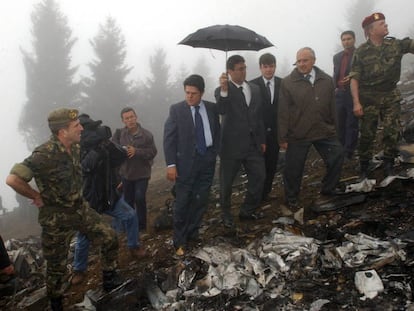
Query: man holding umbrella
x=243, y=139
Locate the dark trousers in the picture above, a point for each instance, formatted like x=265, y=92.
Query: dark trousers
x=191, y=199
x=271, y=157
x=4, y=256
x=135, y=192
x=331, y=151
x=254, y=166
x=347, y=122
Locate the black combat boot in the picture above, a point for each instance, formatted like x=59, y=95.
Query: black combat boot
x=363, y=169
x=388, y=167
x=111, y=280
x=56, y=304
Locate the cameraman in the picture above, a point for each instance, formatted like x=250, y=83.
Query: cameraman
x=99, y=160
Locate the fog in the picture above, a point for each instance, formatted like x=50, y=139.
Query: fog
x=147, y=25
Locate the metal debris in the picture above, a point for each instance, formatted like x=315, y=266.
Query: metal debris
x=364, y=250
x=368, y=283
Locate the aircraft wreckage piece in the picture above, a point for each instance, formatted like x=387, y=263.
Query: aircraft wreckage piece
x=251, y=270
x=364, y=250
x=337, y=202
x=368, y=283
x=366, y=185
x=408, y=174
x=120, y=298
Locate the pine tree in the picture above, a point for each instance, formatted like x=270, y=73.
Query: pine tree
x=49, y=75
x=203, y=69
x=157, y=97
x=356, y=14
x=177, y=88
x=107, y=91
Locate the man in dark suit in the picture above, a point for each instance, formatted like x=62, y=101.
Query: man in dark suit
x=269, y=87
x=243, y=139
x=191, y=138
x=347, y=122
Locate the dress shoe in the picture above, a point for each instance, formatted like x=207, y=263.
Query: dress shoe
x=333, y=192
x=195, y=240
x=292, y=203
x=228, y=223
x=252, y=216
x=180, y=251
x=138, y=252
x=268, y=198
x=78, y=277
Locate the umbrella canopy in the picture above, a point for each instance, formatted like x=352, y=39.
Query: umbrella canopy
x=226, y=38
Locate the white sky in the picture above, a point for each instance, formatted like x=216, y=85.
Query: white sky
x=288, y=24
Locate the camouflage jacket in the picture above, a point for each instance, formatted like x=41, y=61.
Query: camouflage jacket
x=57, y=174
x=378, y=68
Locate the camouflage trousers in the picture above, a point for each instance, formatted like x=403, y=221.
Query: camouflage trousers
x=57, y=232
x=384, y=107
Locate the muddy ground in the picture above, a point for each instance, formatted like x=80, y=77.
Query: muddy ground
x=386, y=213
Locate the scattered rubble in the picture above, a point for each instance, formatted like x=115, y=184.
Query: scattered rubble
x=351, y=252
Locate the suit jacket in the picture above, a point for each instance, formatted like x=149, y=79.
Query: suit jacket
x=269, y=109
x=241, y=124
x=180, y=139
x=337, y=59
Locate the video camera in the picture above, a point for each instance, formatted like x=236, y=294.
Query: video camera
x=104, y=132
x=97, y=136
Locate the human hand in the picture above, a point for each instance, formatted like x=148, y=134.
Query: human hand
x=358, y=111
x=224, y=82
x=37, y=201
x=9, y=270
x=119, y=187
x=172, y=173
x=346, y=80
x=130, y=151
x=283, y=146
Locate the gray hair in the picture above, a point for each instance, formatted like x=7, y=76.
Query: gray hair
x=306, y=48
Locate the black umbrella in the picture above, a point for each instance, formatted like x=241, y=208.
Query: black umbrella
x=226, y=38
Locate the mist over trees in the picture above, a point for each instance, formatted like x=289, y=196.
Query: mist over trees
x=154, y=97
x=49, y=74
x=109, y=87
x=107, y=91
x=355, y=15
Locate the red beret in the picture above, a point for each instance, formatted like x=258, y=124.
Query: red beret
x=372, y=18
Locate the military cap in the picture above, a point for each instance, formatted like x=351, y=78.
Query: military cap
x=62, y=116
x=372, y=18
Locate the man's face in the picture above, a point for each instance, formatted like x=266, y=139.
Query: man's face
x=238, y=74
x=192, y=95
x=72, y=133
x=129, y=119
x=304, y=61
x=348, y=41
x=379, y=28
x=268, y=70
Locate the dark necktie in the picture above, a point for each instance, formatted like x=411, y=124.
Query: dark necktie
x=308, y=77
x=342, y=69
x=199, y=128
x=244, y=96
x=269, y=93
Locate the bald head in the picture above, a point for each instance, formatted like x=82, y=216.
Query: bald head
x=305, y=59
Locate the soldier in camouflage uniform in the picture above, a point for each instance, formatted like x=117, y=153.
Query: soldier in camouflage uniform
x=62, y=212
x=376, y=69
